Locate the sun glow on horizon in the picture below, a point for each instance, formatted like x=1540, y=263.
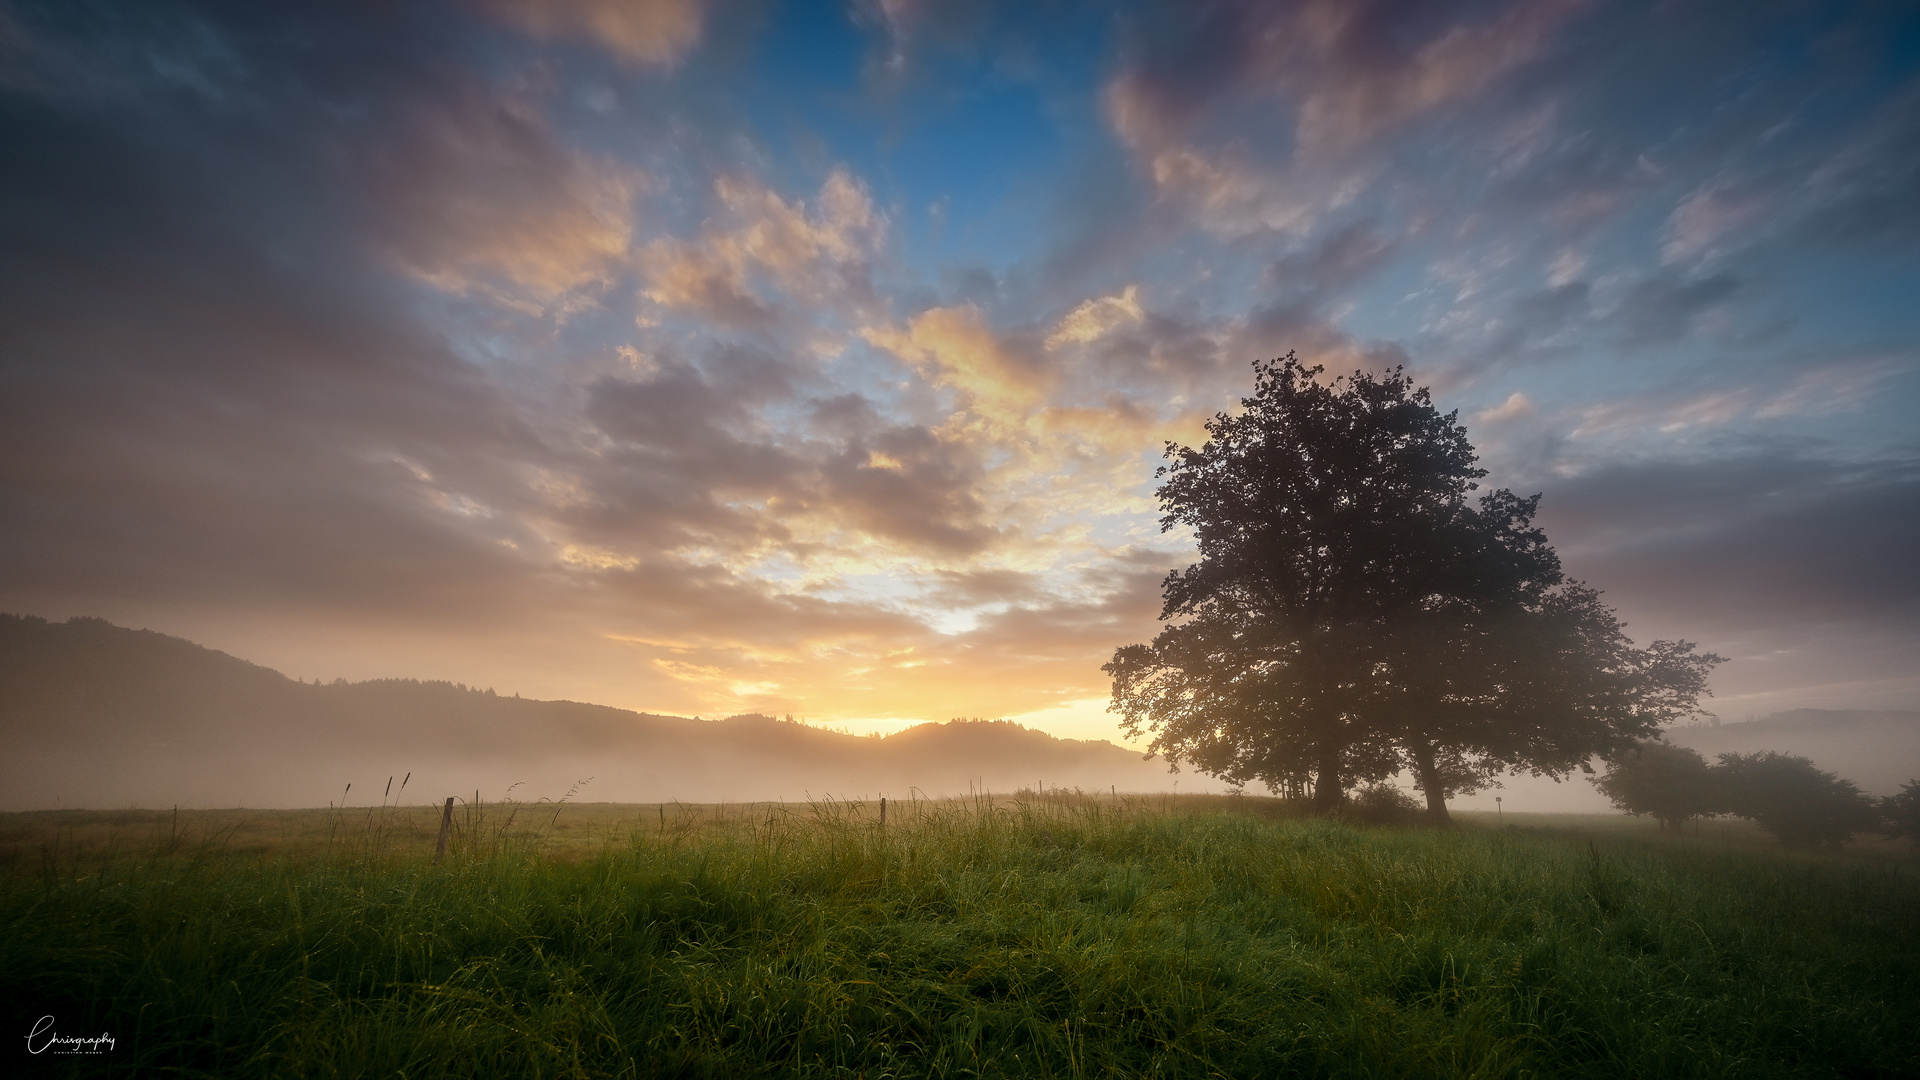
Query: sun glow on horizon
x=820, y=363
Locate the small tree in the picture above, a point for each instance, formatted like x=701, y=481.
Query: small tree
x=1384, y=804
x=1672, y=783
x=1792, y=799
x=1901, y=813
x=1527, y=677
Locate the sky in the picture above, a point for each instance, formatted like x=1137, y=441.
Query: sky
x=815, y=358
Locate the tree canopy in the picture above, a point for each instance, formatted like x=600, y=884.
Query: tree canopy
x=1786, y=795
x=1353, y=612
x=1902, y=812
x=1792, y=798
x=1672, y=783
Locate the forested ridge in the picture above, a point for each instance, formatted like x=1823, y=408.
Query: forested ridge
x=102, y=715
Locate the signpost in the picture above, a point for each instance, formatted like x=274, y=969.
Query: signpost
x=446, y=823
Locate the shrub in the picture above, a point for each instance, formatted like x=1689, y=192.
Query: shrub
x=1792, y=799
x=1672, y=783
x=1901, y=813
x=1384, y=804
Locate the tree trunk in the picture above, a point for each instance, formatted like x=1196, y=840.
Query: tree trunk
x=1431, y=785
x=1327, y=790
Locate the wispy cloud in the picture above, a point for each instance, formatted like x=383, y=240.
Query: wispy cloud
x=651, y=32
x=611, y=348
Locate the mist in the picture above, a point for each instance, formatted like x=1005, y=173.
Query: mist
x=99, y=716
x=1876, y=749
x=103, y=717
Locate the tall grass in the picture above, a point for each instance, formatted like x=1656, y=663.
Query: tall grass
x=1046, y=937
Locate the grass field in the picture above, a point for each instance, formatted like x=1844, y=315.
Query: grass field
x=1048, y=937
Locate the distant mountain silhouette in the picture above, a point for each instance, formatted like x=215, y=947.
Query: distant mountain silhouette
x=97, y=715
x=1825, y=720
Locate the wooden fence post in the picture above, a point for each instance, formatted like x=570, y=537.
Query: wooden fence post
x=446, y=824
x=883, y=811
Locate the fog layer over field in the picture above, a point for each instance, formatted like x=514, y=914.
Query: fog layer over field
x=94, y=715
x=98, y=716
x=1877, y=750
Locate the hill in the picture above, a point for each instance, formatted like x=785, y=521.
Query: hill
x=97, y=715
x=1879, y=750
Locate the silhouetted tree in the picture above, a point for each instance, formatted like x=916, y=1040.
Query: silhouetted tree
x=1314, y=510
x=1521, y=676
x=1792, y=799
x=1901, y=813
x=1672, y=783
x=1352, y=613
x=1384, y=804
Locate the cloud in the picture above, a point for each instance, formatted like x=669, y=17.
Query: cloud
x=907, y=484
x=503, y=345
x=1844, y=385
x=761, y=251
x=1096, y=318
x=991, y=585
x=1861, y=192
x=1332, y=264
x=1708, y=216
x=1343, y=75
x=954, y=347
x=1775, y=536
x=696, y=468
x=1800, y=389
x=685, y=467
x=1515, y=407
x=725, y=641
x=1838, y=186
x=1153, y=368
x=1380, y=83
x=1801, y=569
x=1047, y=649
x=210, y=388
x=917, y=41
x=474, y=192
x=651, y=32
x=1663, y=307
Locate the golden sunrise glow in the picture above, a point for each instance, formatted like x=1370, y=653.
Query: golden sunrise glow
x=817, y=360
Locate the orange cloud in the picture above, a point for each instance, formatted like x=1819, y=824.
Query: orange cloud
x=953, y=346
x=1096, y=318
x=480, y=196
x=655, y=32
x=762, y=249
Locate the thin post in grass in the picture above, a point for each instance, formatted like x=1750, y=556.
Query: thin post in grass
x=883, y=811
x=446, y=826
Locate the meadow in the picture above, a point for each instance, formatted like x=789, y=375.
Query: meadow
x=1034, y=935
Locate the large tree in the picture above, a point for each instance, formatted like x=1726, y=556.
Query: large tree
x=1353, y=612
x=1317, y=510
